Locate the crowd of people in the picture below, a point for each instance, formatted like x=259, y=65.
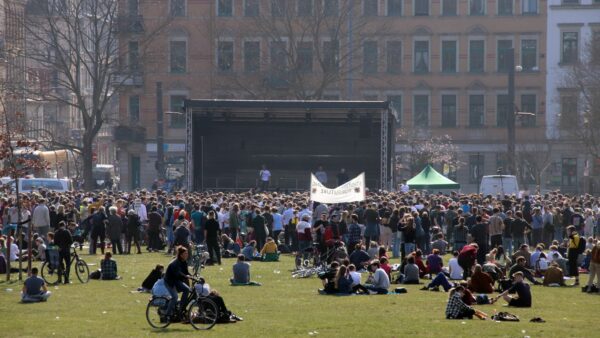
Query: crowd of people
x=494, y=240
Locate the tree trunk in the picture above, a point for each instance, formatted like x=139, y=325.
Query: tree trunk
x=88, y=164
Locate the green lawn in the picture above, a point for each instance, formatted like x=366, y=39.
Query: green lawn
x=282, y=307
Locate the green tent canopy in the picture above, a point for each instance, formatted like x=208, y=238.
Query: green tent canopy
x=430, y=179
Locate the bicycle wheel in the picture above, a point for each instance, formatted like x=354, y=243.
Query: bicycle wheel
x=203, y=314
x=82, y=271
x=50, y=274
x=156, y=312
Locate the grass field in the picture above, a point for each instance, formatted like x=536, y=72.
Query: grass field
x=282, y=307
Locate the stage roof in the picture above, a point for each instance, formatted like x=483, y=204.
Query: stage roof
x=284, y=105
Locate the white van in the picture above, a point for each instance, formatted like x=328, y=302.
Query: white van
x=499, y=185
x=27, y=185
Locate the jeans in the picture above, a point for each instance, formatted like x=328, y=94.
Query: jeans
x=43, y=231
x=42, y=297
x=199, y=235
x=558, y=233
x=396, y=245
x=178, y=287
x=153, y=240
x=408, y=248
x=507, y=244
x=303, y=245
x=212, y=244
x=64, y=256
x=458, y=246
x=537, y=237
x=440, y=280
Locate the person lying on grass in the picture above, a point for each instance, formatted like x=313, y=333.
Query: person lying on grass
x=153, y=276
x=523, y=298
x=241, y=272
x=457, y=309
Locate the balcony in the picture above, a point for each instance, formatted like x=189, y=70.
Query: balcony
x=132, y=24
x=123, y=133
x=127, y=80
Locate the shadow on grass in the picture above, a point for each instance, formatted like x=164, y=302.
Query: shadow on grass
x=170, y=330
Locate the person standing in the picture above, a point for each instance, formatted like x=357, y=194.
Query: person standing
x=507, y=241
x=372, y=224
x=132, y=233
x=212, y=232
x=594, y=269
x=548, y=219
x=114, y=228
x=404, y=188
x=573, y=252
x=63, y=240
x=154, y=224
x=260, y=234
x=495, y=225
x=519, y=228
x=41, y=218
x=277, y=224
x=342, y=177
x=537, y=223
x=265, y=178
x=321, y=175
x=198, y=221
x=234, y=221
x=480, y=233
x=99, y=221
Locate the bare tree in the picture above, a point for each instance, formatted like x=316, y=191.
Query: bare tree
x=435, y=150
x=311, y=47
x=532, y=161
x=76, y=40
x=580, y=115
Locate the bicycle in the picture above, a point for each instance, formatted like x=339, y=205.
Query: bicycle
x=201, y=312
x=52, y=269
x=199, y=258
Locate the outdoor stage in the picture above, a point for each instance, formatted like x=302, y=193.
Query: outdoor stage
x=229, y=140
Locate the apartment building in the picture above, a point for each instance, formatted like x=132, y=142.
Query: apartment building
x=573, y=29
x=443, y=63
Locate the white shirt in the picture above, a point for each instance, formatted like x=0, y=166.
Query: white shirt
x=265, y=175
x=456, y=272
x=404, y=188
x=288, y=214
x=223, y=219
x=14, y=250
x=321, y=176
x=355, y=277
x=301, y=226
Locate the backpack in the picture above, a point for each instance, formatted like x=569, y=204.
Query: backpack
x=581, y=245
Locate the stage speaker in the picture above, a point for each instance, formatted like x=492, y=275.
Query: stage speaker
x=365, y=127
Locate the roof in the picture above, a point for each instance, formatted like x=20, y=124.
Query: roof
x=286, y=104
x=429, y=178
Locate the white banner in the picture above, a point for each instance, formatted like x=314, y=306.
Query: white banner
x=351, y=191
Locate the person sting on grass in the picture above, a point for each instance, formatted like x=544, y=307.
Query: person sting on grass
x=523, y=298
x=457, y=309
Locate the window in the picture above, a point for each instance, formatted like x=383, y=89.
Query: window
x=175, y=104
x=305, y=57
x=225, y=56
x=134, y=109
x=570, y=47
x=476, y=163
x=370, y=7
x=529, y=54
x=502, y=110
x=595, y=47
x=528, y=105
x=133, y=7
x=394, y=57
x=503, y=57
x=449, y=7
x=305, y=8
x=331, y=8
x=569, y=111
x=370, y=56
x=448, y=111
x=421, y=7
x=421, y=56
x=476, y=110
x=278, y=8
x=178, y=59
x=477, y=7
x=177, y=8
x=278, y=56
x=421, y=110
x=569, y=172
x=251, y=8
x=330, y=56
x=530, y=7
x=394, y=8
x=505, y=7
x=449, y=56
x=396, y=102
x=225, y=8
x=476, y=56
x=570, y=2
x=251, y=56
x=133, y=56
